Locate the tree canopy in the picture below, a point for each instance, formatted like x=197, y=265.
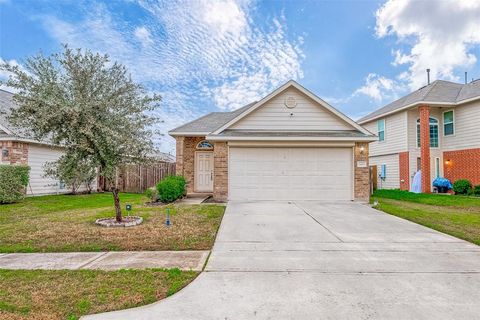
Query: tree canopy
x=86, y=103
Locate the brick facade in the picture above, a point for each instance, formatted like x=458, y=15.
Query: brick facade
x=185, y=166
x=403, y=165
x=17, y=152
x=424, y=112
x=362, y=174
x=220, y=173
x=462, y=164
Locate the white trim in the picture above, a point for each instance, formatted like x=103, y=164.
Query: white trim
x=430, y=103
x=292, y=144
x=7, y=131
x=293, y=83
x=27, y=140
x=437, y=168
x=453, y=122
x=259, y=138
x=206, y=149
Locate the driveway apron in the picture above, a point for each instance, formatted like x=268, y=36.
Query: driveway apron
x=321, y=260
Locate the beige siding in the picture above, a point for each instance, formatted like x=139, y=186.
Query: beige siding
x=467, y=128
x=395, y=135
x=392, y=180
x=307, y=115
x=38, y=156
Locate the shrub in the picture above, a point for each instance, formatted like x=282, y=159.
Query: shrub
x=13, y=181
x=476, y=190
x=171, y=188
x=462, y=186
x=152, y=194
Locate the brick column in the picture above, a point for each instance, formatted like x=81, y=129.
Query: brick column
x=403, y=159
x=424, y=112
x=180, y=146
x=17, y=152
x=362, y=173
x=220, y=173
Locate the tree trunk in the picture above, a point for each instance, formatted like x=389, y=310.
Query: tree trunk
x=118, y=209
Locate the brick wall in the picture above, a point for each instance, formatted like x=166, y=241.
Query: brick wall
x=462, y=164
x=17, y=152
x=220, y=175
x=403, y=159
x=362, y=174
x=185, y=159
x=424, y=112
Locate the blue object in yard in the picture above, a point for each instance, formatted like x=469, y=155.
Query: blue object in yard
x=167, y=222
x=442, y=184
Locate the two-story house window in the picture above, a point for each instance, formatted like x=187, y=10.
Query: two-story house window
x=448, y=126
x=433, y=133
x=381, y=129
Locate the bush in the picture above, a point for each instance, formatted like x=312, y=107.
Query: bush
x=152, y=194
x=171, y=188
x=476, y=190
x=462, y=186
x=13, y=181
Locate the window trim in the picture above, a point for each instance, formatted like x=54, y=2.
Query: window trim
x=383, y=171
x=204, y=148
x=384, y=130
x=453, y=122
x=417, y=124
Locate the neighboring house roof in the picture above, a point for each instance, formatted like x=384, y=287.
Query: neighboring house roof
x=438, y=92
x=6, y=104
x=216, y=124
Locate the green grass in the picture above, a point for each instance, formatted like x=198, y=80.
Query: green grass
x=64, y=223
x=66, y=294
x=458, y=216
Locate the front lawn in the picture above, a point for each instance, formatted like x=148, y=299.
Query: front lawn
x=62, y=294
x=458, y=216
x=64, y=223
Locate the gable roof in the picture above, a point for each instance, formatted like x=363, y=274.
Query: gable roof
x=6, y=104
x=438, y=92
x=217, y=123
x=208, y=123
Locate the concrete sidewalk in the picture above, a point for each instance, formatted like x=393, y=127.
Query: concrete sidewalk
x=184, y=260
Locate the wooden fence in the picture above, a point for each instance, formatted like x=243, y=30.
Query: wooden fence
x=138, y=178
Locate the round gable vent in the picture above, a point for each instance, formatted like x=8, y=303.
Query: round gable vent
x=290, y=102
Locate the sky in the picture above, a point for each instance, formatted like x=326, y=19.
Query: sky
x=205, y=56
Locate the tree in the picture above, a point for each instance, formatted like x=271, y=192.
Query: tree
x=73, y=171
x=89, y=105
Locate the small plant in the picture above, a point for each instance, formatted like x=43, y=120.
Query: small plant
x=152, y=194
x=476, y=190
x=462, y=186
x=171, y=188
x=13, y=181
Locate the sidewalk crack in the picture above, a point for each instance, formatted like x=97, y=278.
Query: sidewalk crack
x=313, y=218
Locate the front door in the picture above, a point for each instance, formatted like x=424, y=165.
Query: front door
x=204, y=171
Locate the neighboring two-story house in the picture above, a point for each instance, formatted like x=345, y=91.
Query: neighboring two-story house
x=435, y=129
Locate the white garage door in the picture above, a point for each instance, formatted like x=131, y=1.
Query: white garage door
x=290, y=174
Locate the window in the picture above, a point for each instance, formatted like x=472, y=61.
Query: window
x=448, y=126
x=433, y=133
x=437, y=167
x=383, y=171
x=205, y=145
x=381, y=129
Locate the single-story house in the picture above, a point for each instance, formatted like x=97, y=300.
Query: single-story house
x=290, y=145
x=17, y=148
x=434, y=129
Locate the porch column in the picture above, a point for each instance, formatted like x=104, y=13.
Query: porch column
x=424, y=112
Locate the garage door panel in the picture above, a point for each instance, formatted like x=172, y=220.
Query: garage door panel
x=290, y=174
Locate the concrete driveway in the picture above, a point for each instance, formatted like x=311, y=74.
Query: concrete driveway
x=311, y=260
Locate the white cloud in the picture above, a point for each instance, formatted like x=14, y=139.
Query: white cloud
x=438, y=35
x=143, y=35
x=197, y=54
x=380, y=88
